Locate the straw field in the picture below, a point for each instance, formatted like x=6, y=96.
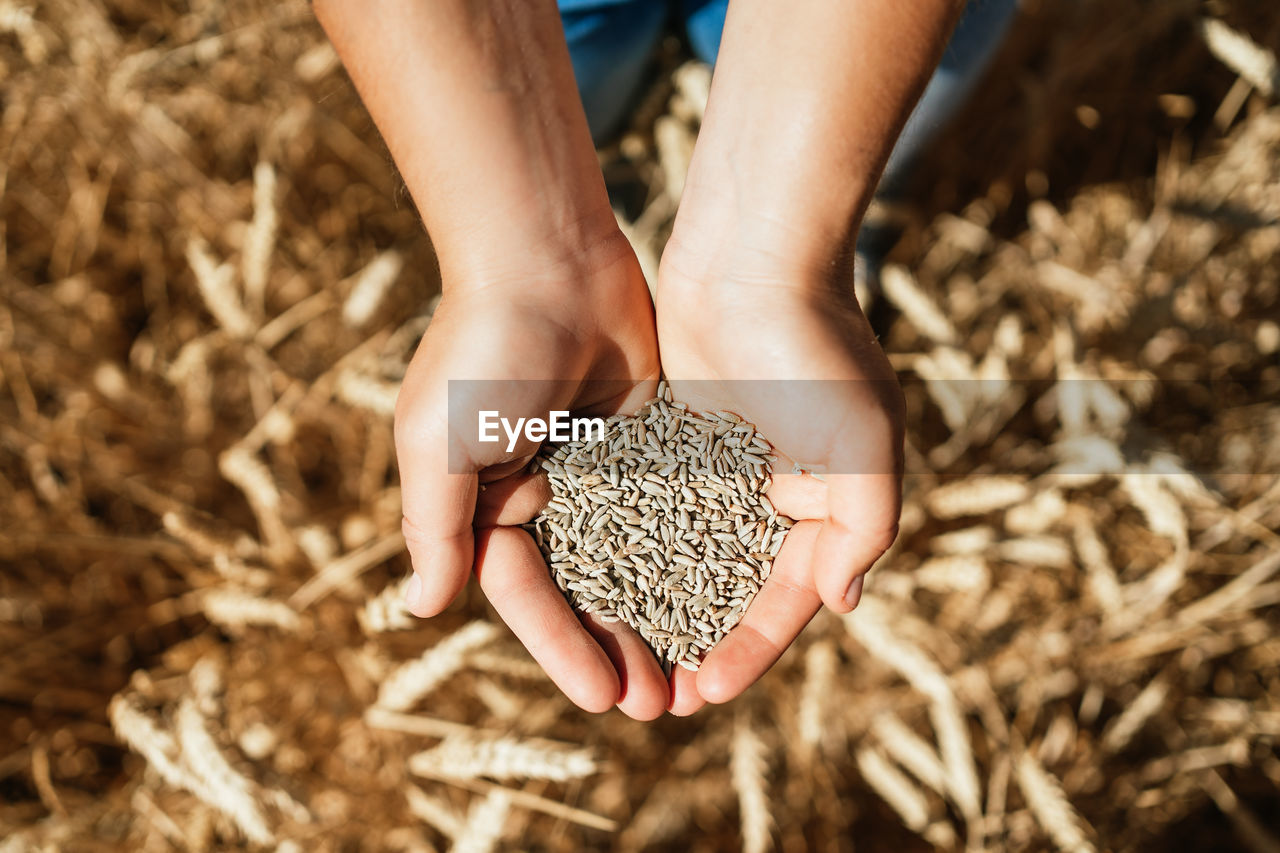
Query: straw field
x=211, y=279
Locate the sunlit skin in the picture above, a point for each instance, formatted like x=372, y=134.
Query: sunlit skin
x=477, y=102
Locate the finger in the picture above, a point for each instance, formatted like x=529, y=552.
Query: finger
x=781, y=609
x=438, y=510
x=516, y=581
x=512, y=500
x=864, y=499
x=685, y=699
x=643, y=686
x=861, y=525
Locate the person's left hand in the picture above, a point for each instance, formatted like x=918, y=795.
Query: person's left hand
x=824, y=394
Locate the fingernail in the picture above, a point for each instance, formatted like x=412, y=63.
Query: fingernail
x=413, y=591
x=854, y=593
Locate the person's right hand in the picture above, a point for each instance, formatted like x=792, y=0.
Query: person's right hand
x=577, y=336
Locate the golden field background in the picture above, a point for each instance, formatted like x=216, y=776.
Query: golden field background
x=211, y=279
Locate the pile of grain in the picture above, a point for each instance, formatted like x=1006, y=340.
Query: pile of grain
x=664, y=524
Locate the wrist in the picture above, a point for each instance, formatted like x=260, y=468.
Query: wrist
x=478, y=107
x=523, y=250
x=719, y=245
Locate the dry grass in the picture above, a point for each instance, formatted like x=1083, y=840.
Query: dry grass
x=210, y=281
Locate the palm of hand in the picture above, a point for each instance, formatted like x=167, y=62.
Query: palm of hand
x=806, y=370
x=603, y=356
x=531, y=354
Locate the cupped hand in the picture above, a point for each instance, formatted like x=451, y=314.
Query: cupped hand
x=793, y=354
x=579, y=337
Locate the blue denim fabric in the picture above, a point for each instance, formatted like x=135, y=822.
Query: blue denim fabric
x=611, y=40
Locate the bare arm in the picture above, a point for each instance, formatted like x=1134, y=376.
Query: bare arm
x=477, y=102
x=807, y=101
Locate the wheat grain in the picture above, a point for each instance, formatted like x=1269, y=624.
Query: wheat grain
x=918, y=307
x=693, y=83
x=434, y=811
x=869, y=625
x=484, y=824
x=747, y=767
x=1037, y=515
x=811, y=717
x=533, y=802
x=291, y=319
x=363, y=391
x=189, y=373
x=157, y=746
x=1103, y=582
x=967, y=540
x=236, y=609
x=663, y=524
x=1179, y=765
x=1110, y=411
x=206, y=681
x=258, y=740
x=1058, y=739
x=953, y=573
x=501, y=702
x=387, y=610
x=894, y=788
x=20, y=20
x=503, y=663
x=145, y=805
x=957, y=756
x=215, y=283
x=1048, y=551
x=260, y=238
x=413, y=680
x=1242, y=55
x=940, y=834
x=466, y=757
x=200, y=542
x=1222, y=599
x=1049, y=804
x=224, y=788
x=1162, y=511
x=415, y=724
x=910, y=750
x=317, y=543
x=1146, y=596
x=371, y=286
x=44, y=781
x=1135, y=716
x=976, y=496
x=1096, y=304
x=316, y=61
x=1085, y=459
x=248, y=473
x=948, y=375
x=997, y=791
x=346, y=568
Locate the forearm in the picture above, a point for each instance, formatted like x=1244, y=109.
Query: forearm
x=807, y=101
x=477, y=103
